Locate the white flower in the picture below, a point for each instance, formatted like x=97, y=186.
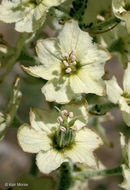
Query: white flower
x=126, y=168
x=121, y=96
x=118, y=42
x=121, y=9
x=55, y=146
x=81, y=73
x=28, y=15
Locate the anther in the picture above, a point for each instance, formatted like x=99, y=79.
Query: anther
x=66, y=63
x=68, y=70
x=62, y=128
x=72, y=57
x=64, y=55
x=59, y=119
x=64, y=112
x=71, y=114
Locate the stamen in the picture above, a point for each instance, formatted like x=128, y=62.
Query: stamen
x=66, y=63
x=64, y=112
x=74, y=63
x=65, y=55
x=59, y=119
x=62, y=128
x=73, y=57
x=68, y=70
x=71, y=114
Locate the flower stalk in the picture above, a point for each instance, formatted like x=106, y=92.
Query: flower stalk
x=93, y=173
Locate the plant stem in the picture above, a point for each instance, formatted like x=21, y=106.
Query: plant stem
x=94, y=173
x=104, y=26
x=65, y=177
x=34, y=170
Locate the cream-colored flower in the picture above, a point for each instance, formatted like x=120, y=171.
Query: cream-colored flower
x=121, y=9
x=5, y=52
x=29, y=15
x=121, y=96
x=72, y=63
x=126, y=167
x=117, y=41
x=56, y=141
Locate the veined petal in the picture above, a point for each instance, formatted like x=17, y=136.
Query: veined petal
x=86, y=142
x=89, y=138
x=49, y=3
x=80, y=110
x=126, y=80
x=79, y=154
x=126, y=174
x=124, y=105
x=58, y=90
x=42, y=72
x=49, y=161
x=83, y=82
x=11, y=11
x=43, y=120
x=29, y=23
x=31, y=140
x=72, y=38
x=113, y=90
x=47, y=52
x=126, y=117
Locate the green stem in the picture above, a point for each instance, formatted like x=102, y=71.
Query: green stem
x=104, y=26
x=34, y=170
x=65, y=177
x=94, y=173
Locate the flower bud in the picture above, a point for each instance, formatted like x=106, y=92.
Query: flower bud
x=59, y=119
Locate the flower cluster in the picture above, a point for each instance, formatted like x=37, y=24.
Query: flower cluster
x=28, y=15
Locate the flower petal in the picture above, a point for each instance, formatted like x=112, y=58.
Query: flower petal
x=126, y=117
x=31, y=140
x=124, y=105
x=43, y=120
x=11, y=11
x=126, y=81
x=113, y=90
x=83, y=82
x=42, y=72
x=47, y=52
x=72, y=38
x=49, y=161
x=58, y=90
x=80, y=110
x=52, y=3
x=86, y=142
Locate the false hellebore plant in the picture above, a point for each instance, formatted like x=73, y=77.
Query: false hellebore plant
x=74, y=39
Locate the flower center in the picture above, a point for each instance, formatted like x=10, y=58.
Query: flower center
x=69, y=63
x=65, y=135
x=127, y=97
